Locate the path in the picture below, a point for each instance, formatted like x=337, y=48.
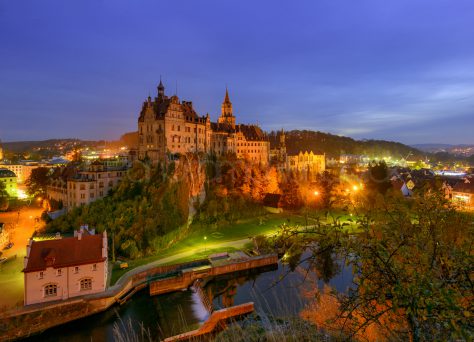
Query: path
x=178, y=256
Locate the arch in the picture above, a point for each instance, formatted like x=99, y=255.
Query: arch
x=50, y=290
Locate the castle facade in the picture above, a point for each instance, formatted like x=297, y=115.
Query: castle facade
x=167, y=126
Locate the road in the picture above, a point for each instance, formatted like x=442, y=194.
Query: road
x=21, y=227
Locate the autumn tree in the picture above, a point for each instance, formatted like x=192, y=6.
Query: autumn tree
x=37, y=182
x=325, y=183
x=413, y=265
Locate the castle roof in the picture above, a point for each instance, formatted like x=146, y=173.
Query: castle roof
x=252, y=132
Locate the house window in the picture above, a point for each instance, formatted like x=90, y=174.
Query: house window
x=94, y=267
x=59, y=272
x=41, y=275
x=86, y=284
x=50, y=290
x=76, y=269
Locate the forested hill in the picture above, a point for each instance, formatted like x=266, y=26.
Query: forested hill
x=334, y=145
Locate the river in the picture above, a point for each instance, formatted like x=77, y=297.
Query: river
x=277, y=292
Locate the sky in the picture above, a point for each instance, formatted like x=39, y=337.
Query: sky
x=399, y=70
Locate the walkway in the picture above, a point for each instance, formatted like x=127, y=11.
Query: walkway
x=174, y=257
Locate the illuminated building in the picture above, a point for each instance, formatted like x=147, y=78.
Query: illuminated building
x=167, y=126
x=63, y=268
x=307, y=162
x=9, y=179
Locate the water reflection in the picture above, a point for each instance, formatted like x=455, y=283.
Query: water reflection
x=276, y=292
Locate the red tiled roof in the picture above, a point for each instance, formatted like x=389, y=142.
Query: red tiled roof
x=65, y=252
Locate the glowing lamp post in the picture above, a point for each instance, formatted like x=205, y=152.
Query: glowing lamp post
x=205, y=238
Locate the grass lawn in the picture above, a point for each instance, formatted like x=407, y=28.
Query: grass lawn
x=205, y=240
x=196, y=243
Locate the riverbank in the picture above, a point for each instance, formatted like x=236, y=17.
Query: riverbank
x=32, y=319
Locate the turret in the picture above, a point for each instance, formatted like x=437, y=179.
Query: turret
x=161, y=89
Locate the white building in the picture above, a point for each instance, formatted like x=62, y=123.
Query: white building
x=65, y=267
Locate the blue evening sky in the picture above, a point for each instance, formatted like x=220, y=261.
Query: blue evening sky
x=390, y=69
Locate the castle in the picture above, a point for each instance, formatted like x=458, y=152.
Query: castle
x=167, y=127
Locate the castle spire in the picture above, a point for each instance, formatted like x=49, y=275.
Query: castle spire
x=226, y=99
x=161, y=89
x=226, y=111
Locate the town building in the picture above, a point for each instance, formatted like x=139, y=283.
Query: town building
x=307, y=162
x=93, y=183
x=73, y=186
x=463, y=193
x=63, y=268
x=24, y=168
x=9, y=179
x=167, y=126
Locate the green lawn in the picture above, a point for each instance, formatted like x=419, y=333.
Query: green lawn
x=204, y=240
x=196, y=243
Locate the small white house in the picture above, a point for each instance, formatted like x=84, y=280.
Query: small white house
x=65, y=267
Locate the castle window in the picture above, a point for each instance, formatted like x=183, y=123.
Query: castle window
x=50, y=290
x=59, y=272
x=41, y=275
x=76, y=269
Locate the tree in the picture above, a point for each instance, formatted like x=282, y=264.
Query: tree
x=413, y=264
x=3, y=197
x=378, y=178
x=37, y=182
x=291, y=197
x=325, y=188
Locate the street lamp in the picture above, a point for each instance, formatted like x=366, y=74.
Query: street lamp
x=205, y=238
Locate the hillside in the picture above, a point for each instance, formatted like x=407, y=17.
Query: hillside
x=334, y=145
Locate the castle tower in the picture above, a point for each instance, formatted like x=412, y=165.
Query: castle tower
x=282, y=138
x=161, y=90
x=226, y=111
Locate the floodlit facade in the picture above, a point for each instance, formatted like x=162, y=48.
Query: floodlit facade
x=168, y=126
x=463, y=193
x=307, y=162
x=65, y=267
x=9, y=178
x=89, y=185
